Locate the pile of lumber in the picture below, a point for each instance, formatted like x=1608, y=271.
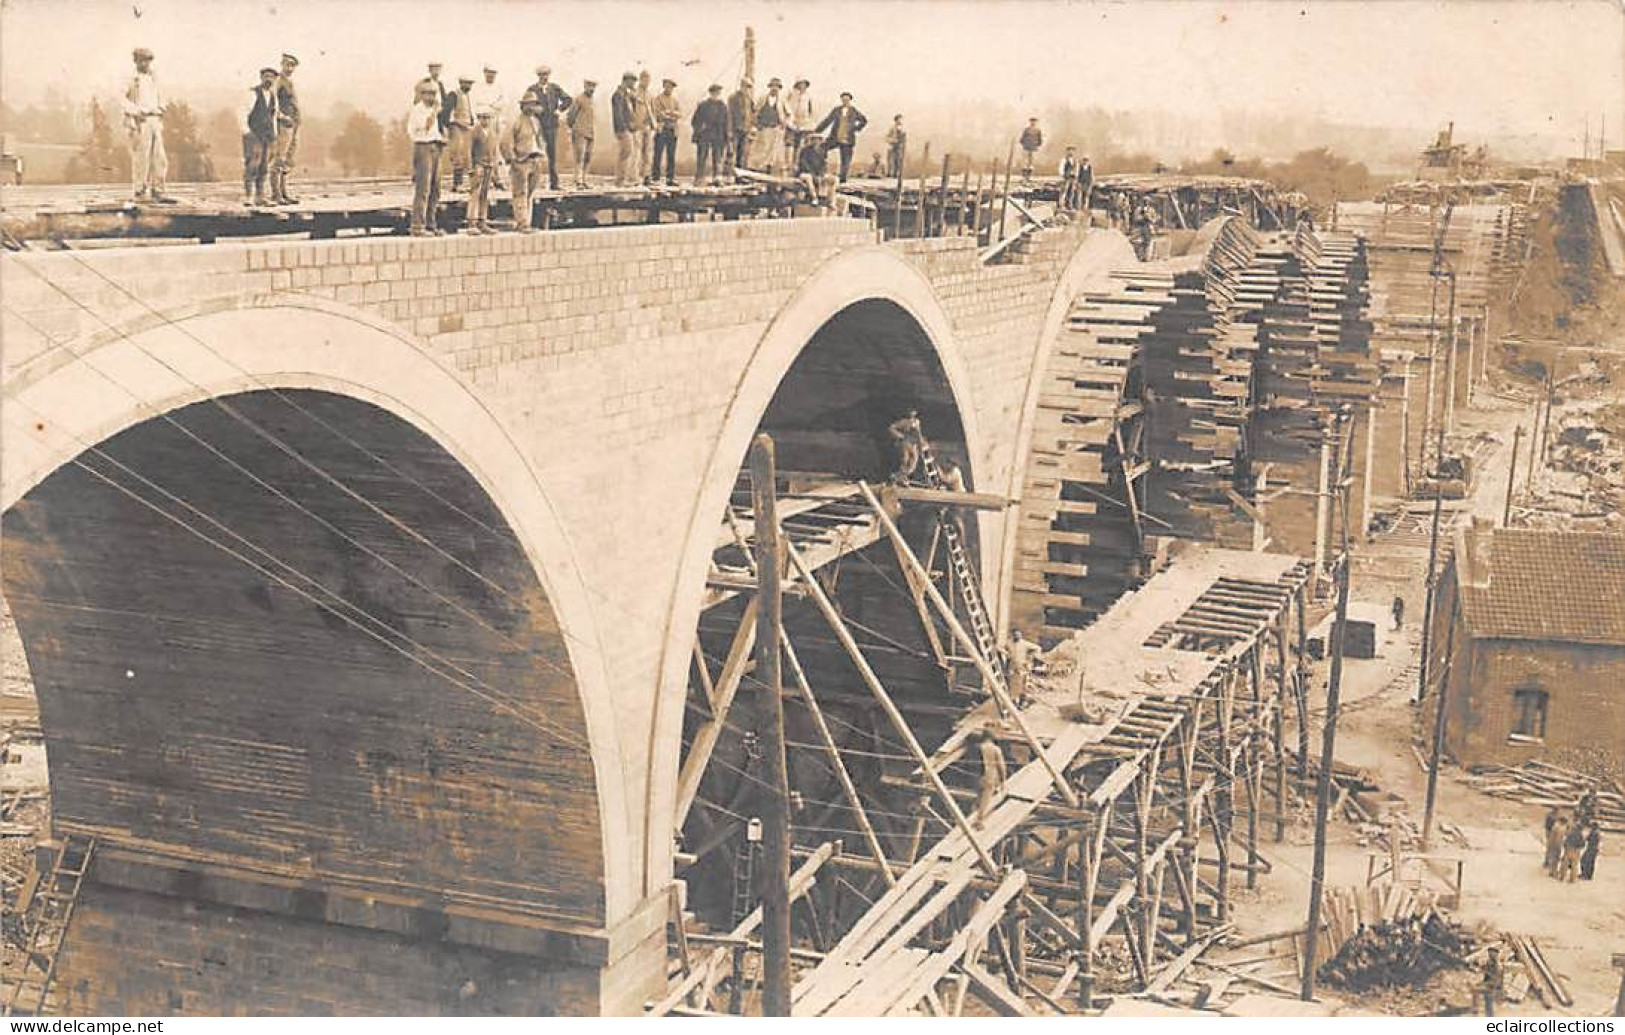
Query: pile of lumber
x=1540, y=783
x=1384, y=935
x=1350, y=912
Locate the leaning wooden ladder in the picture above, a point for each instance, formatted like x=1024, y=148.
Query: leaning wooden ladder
x=45, y=920
x=969, y=586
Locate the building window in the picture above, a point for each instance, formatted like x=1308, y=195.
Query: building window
x=1529, y=714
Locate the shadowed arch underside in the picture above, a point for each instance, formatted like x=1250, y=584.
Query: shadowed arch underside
x=289, y=631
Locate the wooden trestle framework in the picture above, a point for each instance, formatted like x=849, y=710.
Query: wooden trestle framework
x=1141, y=772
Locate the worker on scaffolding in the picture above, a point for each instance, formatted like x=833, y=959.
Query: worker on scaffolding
x=1143, y=226
x=953, y=480
x=1032, y=138
x=993, y=771
x=906, y=434
x=1021, y=657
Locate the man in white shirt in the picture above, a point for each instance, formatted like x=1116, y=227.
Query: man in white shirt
x=488, y=95
x=800, y=122
x=144, y=118
x=423, y=126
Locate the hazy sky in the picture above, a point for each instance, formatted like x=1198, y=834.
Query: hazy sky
x=1520, y=66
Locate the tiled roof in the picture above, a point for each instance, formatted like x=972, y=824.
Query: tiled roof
x=1545, y=585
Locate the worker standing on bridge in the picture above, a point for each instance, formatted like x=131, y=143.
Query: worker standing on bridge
x=460, y=138
x=580, y=119
x=1021, y=657
x=423, y=127
x=1086, y=183
x=259, y=137
x=623, y=114
x=710, y=128
x=482, y=160
x=288, y=121
x=666, y=112
x=844, y=123
x=741, y=125
x=522, y=148
x=551, y=102
x=1068, y=170
x=643, y=119
x=1032, y=138
x=906, y=436
x=800, y=122
x=144, y=118
x=488, y=95
x=772, y=115
x=896, y=147
x=993, y=771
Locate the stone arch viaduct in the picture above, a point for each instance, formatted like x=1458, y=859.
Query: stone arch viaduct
x=358, y=579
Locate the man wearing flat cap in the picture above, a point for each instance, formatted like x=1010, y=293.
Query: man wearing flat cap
x=488, y=95
x=144, y=118
x=259, y=137
x=643, y=119
x=551, y=102
x=666, y=112
x=582, y=119
x=844, y=123
x=623, y=105
x=287, y=133
x=741, y=124
x=710, y=128
x=772, y=115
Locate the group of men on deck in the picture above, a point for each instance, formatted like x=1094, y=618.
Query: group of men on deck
x=466, y=128
x=270, y=133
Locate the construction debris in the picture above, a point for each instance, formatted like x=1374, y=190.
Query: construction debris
x=1541, y=783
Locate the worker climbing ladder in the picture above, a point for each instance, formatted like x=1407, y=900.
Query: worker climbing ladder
x=46, y=915
x=969, y=586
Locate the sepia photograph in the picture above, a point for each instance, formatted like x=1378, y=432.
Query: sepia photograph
x=976, y=509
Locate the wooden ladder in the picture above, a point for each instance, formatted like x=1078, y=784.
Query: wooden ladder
x=46, y=916
x=970, y=587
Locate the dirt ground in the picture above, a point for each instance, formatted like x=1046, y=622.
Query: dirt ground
x=1577, y=925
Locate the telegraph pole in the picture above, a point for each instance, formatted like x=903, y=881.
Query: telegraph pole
x=1512, y=476
x=776, y=811
x=1328, y=750
x=1438, y=730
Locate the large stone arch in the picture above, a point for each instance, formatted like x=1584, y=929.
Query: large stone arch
x=71, y=398
x=1090, y=268
x=873, y=277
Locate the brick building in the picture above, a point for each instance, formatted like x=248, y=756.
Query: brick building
x=1536, y=663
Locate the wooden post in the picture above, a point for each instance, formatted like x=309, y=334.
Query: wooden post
x=776, y=974
x=920, y=209
x=1004, y=208
x=976, y=210
x=1090, y=849
x=1301, y=690
x=1432, y=588
x=897, y=216
x=1448, y=424
x=1546, y=424
x=1438, y=730
x=1328, y=750
x=1512, y=476
x=1323, y=800
x=942, y=202
x=1280, y=722
x=964, y=195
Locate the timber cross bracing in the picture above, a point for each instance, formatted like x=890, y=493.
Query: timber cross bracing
x=1197, y=672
